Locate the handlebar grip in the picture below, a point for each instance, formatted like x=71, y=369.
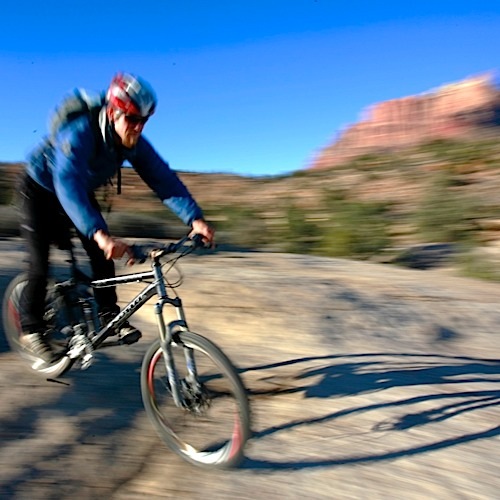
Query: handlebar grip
x=198, y=240
x=138, y=253
x=141, y=253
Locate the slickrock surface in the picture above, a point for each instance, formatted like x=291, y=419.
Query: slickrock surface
x=366, y=381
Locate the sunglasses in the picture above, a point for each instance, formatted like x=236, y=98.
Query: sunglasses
x=136, y=119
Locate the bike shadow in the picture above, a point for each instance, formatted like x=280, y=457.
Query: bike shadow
x=350, y=377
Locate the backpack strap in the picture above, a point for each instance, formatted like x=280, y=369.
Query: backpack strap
x=119, y=180
x=72, y=107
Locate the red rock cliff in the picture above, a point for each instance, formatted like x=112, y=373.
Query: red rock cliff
x=460, y=110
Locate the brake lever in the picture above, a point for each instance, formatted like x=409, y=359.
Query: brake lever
x=138, y=254
x=197, y=239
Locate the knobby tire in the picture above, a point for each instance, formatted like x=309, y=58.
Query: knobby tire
x=11, y=315
x=214, y=433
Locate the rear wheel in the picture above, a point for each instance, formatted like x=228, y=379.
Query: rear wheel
x=11, y=315
x=213, y=425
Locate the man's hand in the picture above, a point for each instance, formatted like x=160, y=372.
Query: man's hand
x=113, y=248
x=199, y=226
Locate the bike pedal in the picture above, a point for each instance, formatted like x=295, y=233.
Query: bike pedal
x=130, y=338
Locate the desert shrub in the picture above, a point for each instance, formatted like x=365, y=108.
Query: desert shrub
x=440, y=148
x=445, y=214
x=377, y=161
x=474, y=264
x=300, y=234
x=457, y=152
x=240, y=226
x=350, y=228
x=355, y=229
x=6, y=191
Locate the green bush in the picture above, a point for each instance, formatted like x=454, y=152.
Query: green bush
x=461, y=152
x=446, y=214
x=301, y=234
x=440, y=148
x=241, y=226
x=355, y=229
x=6, y=192
x=473, y=265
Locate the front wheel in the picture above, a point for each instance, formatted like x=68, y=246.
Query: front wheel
x=212, y=425
x=11, y=315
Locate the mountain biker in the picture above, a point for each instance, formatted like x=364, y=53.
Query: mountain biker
x=57, y=192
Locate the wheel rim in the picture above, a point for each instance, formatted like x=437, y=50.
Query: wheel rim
x=212, y=436
x=13, y=319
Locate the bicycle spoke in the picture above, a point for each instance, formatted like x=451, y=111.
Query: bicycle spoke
x=211, y=427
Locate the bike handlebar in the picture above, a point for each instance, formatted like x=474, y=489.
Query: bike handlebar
x=141, y=253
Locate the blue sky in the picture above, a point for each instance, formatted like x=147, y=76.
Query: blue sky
x=253, y=87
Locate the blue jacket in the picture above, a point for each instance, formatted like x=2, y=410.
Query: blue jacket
x=82, y=156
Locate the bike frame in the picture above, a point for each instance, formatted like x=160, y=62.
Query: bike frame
x=167, y=332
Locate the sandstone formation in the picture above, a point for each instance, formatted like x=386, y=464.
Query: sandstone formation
x=464, y=110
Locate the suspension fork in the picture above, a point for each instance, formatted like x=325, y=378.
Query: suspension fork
x=175, y=328
x=170, y=333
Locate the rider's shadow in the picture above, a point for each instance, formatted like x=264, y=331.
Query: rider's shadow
x=353, y=376
x=109, y=392
x=108, y=395
x=96, y=412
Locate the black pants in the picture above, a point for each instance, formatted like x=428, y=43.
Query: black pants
x=44, y=222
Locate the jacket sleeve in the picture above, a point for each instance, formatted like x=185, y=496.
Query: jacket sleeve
x=157, y=174
x=74, y=146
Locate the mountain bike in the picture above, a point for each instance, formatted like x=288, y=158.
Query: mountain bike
x=191, y=391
